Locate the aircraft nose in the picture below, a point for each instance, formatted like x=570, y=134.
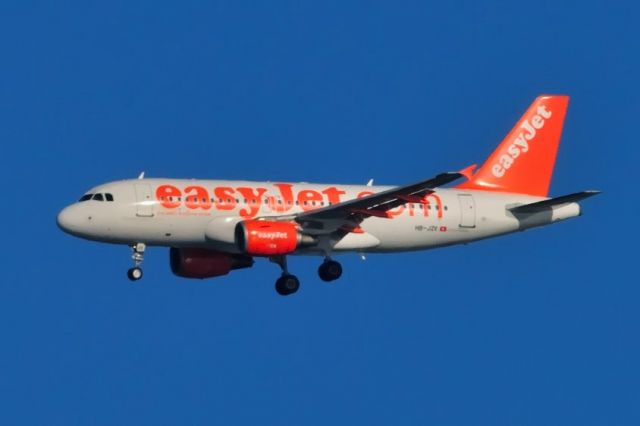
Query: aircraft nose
x=67, y=219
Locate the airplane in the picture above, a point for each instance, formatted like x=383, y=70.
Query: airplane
x=213, y=227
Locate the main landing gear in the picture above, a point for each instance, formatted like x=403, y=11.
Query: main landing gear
x=330, y=270
x=287, y=284
x=135, y=273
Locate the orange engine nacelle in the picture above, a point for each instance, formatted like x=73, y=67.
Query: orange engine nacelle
x=203, y=263
x=264, y=238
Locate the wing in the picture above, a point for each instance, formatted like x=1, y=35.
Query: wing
x=349, y=214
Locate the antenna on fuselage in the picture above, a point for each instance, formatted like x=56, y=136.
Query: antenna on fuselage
x=370, y=183
x=141, y=175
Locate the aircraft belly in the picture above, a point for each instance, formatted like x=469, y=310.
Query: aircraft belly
x=160, y=231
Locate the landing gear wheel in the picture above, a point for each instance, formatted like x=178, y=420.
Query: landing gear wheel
x=330, y=270
x=287, y=284
x=137, y=256
x=134, y=274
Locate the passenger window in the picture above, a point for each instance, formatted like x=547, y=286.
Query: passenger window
x=85, y=197
x=109, y=197
x=98, y=197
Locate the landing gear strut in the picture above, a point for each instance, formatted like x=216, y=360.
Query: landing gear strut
x=330, y=270
x=135, y=273
x=287, y=284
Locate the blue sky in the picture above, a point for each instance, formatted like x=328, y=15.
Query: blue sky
x=534, y=328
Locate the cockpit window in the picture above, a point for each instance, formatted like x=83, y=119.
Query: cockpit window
x=96, y=197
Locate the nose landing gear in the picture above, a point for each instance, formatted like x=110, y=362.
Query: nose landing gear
x=135, y=273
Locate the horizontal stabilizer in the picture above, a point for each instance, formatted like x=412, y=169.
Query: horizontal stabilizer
x=551, y=202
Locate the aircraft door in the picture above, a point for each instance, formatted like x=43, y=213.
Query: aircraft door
x=467, y=211
x=144, y=201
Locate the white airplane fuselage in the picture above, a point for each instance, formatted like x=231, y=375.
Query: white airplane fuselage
x=138, y=214
x=216, y=226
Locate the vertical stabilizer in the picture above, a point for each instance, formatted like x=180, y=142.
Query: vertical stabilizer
x=523, y=162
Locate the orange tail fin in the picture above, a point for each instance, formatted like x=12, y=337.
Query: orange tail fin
x=523, y=162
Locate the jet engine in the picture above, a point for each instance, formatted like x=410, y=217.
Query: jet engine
x=203, y=263
x=266, y=238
